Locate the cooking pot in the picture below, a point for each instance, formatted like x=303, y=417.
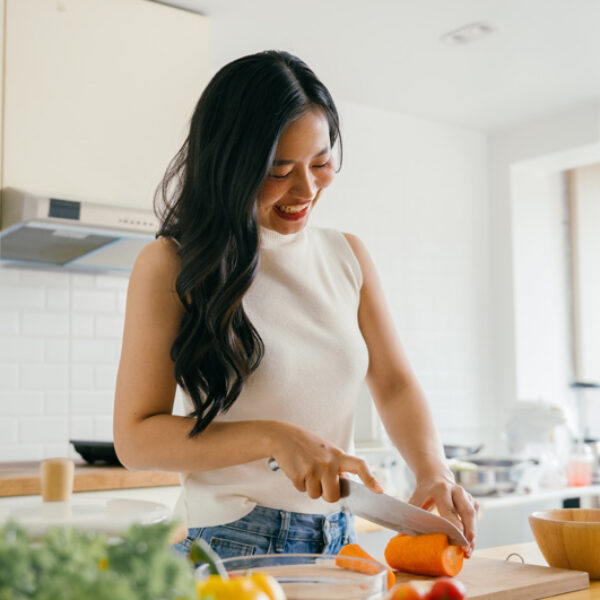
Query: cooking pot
x=484, y=476
x=460, y=451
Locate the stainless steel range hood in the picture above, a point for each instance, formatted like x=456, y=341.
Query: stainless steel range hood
x=46, y=231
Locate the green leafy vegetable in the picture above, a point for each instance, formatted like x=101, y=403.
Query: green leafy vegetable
x=71, y=564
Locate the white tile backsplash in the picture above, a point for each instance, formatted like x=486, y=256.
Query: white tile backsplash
x=60, y=339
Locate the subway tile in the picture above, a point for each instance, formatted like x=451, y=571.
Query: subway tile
x=93, y=402
x=82, y=326
x=44, y=377
x=57, y=351
x=21, y=297
x=9, y=430
x=115, y=282
x=103, y=428
x=9, y=322
x=56, y=403
x=81, y=428
x=82, y=377
x=44, y=278
x=9, y=377
x=43, y=429
x=83, y=280
x=21, y=403
x=93, y=301
x=57, y=450
x=109, y=326
x=9, y=276
x=94, y=351
x=105, y=377
x=20, y=452
x=21, y=350
x=121, y=302
x=58, y=299
x=45, y=323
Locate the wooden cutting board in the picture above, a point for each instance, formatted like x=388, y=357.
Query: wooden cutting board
x=491, y=579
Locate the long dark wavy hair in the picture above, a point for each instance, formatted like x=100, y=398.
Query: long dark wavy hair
x=207, y=203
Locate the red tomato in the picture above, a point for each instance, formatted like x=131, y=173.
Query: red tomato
x=405, y=591
x=447, y=589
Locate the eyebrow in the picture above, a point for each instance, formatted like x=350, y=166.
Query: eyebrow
x=277, y=163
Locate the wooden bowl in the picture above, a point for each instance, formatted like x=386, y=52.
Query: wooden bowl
x=569, y=538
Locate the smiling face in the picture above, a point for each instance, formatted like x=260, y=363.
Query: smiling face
x=302, y=168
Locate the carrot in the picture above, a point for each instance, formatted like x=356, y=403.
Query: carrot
x=355, y=551
x=427, y=554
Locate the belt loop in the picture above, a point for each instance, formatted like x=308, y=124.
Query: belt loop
x=283, y=531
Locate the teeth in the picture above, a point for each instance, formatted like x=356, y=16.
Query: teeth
x=296, y=208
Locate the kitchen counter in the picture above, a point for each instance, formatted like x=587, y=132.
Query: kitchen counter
x=23, y=478
x=532, y=555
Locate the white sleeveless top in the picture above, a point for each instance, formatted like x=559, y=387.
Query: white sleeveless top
x=303, y=303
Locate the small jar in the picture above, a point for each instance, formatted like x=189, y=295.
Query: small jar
x=580, y=466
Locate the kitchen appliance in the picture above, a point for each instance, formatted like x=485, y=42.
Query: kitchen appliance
x=68, y=233
x=485, y=476
x=460, y=450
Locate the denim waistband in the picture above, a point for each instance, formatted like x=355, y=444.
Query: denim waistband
x=275, y=523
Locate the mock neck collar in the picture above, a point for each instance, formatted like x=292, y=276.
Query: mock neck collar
x=269, y=238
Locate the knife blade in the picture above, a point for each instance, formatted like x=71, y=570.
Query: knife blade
x=390, y=512
x=394, y=514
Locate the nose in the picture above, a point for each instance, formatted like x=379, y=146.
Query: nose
x=304, y=187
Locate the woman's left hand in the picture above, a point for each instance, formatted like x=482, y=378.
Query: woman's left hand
x=452, y=502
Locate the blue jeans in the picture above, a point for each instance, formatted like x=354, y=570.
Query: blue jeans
x=268, y=530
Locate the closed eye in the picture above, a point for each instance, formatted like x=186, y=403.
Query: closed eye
x=325, y=164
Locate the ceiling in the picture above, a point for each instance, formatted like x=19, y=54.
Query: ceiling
x=543, y=57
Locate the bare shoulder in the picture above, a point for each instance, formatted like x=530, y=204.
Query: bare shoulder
x=360, y=251
x=156, y=268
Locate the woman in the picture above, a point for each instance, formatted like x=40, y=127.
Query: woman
x=270, y=328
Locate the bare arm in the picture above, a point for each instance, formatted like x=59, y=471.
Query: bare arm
x=148, y=436
x=402, y=404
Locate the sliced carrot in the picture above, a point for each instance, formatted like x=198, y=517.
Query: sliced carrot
x=427, y=554
x=355, y=551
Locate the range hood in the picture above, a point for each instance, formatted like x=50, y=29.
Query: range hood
x=45, y=231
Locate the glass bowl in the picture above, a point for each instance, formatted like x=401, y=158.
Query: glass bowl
x=313, y=576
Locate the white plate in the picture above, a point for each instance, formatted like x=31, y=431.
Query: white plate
x=107, y=515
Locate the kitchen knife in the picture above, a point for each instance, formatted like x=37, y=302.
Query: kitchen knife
x=394, y=514
x=390, y=512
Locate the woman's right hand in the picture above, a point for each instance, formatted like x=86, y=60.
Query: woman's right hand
x=313, y=464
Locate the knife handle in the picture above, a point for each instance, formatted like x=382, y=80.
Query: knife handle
x=273, y=464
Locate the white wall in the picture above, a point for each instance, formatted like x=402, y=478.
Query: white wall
x=549, y=144
x=415, y=192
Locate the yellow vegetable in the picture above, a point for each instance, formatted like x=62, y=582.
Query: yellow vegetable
x=268, y=584
x=235, y=588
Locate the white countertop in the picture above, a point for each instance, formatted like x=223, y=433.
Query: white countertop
x=514, y=499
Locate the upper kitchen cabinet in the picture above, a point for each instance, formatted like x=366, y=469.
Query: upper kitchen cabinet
x=98, y=95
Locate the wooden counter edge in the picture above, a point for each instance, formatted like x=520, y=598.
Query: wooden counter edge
x=90, y=479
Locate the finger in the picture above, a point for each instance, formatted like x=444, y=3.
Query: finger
x=426, y=503
x=330, y=484
x=467, y=511
x=313, y=487
x=445, y=505
x=351, y=464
